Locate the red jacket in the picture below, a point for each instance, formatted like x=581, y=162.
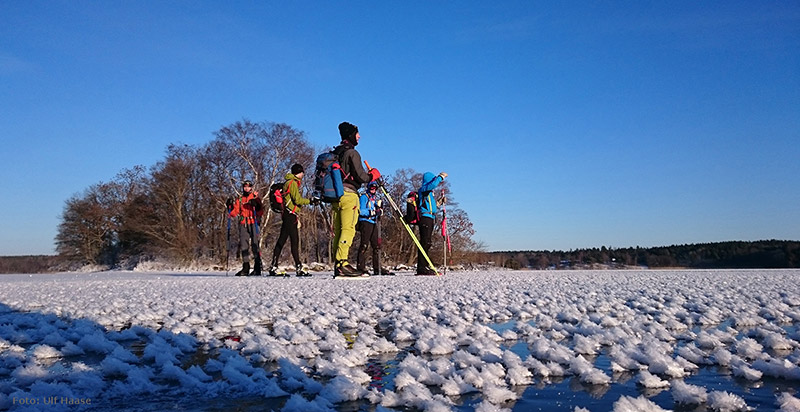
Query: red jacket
x=244, y=210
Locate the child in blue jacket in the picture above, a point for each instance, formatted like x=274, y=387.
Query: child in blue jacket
x=369, y=212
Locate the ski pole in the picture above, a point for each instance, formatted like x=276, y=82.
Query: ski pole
x=329, y=225
x=408, y=229
x=380, y=240
x=444, y=235
x=228, y=242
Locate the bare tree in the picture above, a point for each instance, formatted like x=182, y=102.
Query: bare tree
x=83, y=231
x=94, y=227
x=172, y=204
x=263, y=153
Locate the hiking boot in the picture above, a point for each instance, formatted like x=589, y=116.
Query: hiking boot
x=301, y=272
x=257, y=268
x=245, y=269
x=426, y=272
x=273, y=271
x=346, y=270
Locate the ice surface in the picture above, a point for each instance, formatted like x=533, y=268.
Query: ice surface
x=398, y=342
x=788, y=403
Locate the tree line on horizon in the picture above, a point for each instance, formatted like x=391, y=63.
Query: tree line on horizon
x=766, y=254
x=763, y=254
x=175, y=210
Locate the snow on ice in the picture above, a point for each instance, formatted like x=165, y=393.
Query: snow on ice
x=430, y=343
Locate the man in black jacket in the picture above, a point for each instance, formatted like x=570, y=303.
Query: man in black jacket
x=345, y=211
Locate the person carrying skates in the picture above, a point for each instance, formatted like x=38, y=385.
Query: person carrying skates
x=345, y=211
x=247, y=209
x=290, y=223
x=427, y=214
x=369, y=213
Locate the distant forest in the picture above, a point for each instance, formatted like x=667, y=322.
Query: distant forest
x=721, y=255
x=30, y=264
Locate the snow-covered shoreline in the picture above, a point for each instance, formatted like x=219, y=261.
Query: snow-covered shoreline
x=310, y=344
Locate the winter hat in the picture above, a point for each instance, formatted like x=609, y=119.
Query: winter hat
x=297, y=168
x=348, y=132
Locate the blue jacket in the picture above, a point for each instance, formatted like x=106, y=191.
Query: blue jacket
x=367, y=210
x=427, y=202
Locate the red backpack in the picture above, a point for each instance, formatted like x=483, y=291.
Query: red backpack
x=276, y=196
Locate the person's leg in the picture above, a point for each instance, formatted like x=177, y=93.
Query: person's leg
x=425, y=235
x=244, y=248
x=294, y=238
x=348, y=216
x=373, y=241
x=366, y=230
x=244, y=243
x=337, y=228
x=282, y=236
x=255, y=247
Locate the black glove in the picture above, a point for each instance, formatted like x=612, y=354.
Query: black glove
x=314, y=201
x=255, y=204
x=229, y=203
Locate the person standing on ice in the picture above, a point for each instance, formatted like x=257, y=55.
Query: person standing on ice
x=427, y=213
x=247, y=209
x=345, y=211
x=290, y=224
x=369, y=213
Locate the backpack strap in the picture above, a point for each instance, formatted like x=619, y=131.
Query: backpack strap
x=342, y=164
x=426, y=199
x=286, y=195
x=416, y=204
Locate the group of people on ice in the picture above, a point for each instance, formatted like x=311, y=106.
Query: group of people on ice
x=351, y=211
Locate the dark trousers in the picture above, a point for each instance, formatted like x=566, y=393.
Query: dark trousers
x=425, y=239
x=247, y=241
x=369, y=237
x=288, y=230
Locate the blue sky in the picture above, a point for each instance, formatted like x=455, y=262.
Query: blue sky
x=563, y=125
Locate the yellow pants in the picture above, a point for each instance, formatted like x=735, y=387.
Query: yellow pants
x=345, y=217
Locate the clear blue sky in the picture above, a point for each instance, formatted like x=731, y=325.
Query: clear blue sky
x=562, y=124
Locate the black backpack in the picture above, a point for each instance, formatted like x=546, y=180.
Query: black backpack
x=412, y=209
x=276, y=196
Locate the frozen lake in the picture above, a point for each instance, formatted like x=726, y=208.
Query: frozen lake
x=486, y=341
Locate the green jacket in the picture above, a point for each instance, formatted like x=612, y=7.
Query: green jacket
x=293, y=200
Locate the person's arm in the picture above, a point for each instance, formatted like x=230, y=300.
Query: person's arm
x=356, y=169
x=427, y=187
x=362, y=209
x=294, y=192
x=257, y=205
